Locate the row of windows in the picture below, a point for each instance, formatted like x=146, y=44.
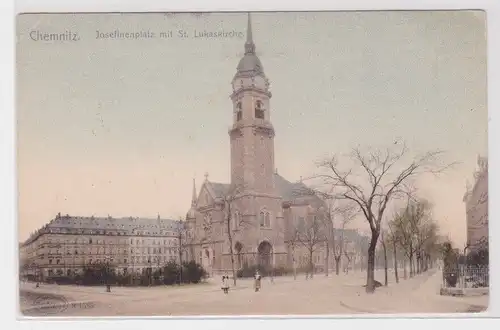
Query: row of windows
x=172, y=241
x=149, y=260
x=259, y=110
x=59, y=262
x=264, y=219
x=113, y=251
x=154, y=242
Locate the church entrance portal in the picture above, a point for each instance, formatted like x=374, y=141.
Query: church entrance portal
x=265, y=255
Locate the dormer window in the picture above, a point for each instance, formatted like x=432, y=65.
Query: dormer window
x=259, y=110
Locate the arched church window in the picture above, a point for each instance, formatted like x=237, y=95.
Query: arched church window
x=259, y=110
x=267, y=220
x=239, y=112
x=236, y=220
x=262, y=218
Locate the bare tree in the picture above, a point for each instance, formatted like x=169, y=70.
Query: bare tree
x=348, y=256
x=183, y=242
x=310, y=234
x=344, y=213
x=415, y=230
x=226, y=202
x=293, y=241
x=384, y=176
x=383, y=237
x=394, y=241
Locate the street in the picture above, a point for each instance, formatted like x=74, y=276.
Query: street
x=341, y=294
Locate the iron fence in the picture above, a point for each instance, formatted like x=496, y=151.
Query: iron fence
x=466, y=277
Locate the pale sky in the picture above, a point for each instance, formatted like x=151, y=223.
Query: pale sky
x=121, y=127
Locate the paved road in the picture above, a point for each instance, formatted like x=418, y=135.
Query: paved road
x=321, y=295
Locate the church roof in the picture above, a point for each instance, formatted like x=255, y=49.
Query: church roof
x=286, y=189
x=220, y=189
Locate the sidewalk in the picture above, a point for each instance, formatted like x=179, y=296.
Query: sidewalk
x=419, y=294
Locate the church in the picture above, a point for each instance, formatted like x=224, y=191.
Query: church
x=259, y=209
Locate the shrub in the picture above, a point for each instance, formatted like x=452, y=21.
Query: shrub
x=478, y=258
x=171, y=273
x=60, y=280
x=249, y=271
x=193, y=272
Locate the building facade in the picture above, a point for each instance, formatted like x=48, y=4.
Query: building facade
x=258, y=213
x=476, y=205
x=67, y=244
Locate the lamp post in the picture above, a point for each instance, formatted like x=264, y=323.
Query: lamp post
x=107, y=273
x=149, y=271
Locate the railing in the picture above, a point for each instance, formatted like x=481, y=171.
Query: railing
x=465, y=277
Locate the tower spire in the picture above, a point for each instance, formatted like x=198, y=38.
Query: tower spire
x=249, y=45
x=193, y=198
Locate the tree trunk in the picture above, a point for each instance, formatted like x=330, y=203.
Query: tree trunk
x=395, y=262
x=327, y=259
x=386, y=282
x=311, y=264
x=337, y=264
x=294, y=265
x=411, y=264
x=370, y=270
x=230, y=238
x=180, y=258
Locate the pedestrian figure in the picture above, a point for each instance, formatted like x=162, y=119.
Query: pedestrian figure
x=225, y=284
x=37, y=285
x=257, y=279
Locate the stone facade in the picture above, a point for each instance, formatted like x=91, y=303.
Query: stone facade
x=476, y=205
x=258, y=209
x=69, y=243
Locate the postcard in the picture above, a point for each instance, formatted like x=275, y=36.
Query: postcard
x=252, y=163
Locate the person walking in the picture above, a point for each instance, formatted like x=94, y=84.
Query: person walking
x=225, y=284
x=257, y=281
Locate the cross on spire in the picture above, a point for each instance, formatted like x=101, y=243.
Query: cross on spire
x=193, y=198
x=249, y=45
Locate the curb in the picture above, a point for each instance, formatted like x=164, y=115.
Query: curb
x=59, y=307
x=359, y=310
x=464, y=292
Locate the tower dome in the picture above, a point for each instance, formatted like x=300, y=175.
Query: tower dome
x=250, y=64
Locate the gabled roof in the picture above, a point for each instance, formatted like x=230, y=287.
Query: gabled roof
x=219, y=189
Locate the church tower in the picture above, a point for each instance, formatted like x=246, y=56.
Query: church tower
x=251, y=134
